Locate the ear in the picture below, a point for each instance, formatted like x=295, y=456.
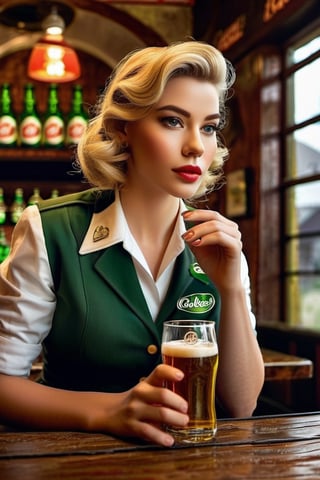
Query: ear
x=123, y=133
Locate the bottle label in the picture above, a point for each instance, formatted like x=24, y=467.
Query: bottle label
x=75, y=129
x=30, y=130
x=16, y=214
x=53, y=131
x=8, y=130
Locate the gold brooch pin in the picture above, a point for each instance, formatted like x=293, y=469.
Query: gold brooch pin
x=100, y=233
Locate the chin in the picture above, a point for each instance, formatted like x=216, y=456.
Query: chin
x=187, y=193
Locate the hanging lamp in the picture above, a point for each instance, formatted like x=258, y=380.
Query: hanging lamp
x=52, y=59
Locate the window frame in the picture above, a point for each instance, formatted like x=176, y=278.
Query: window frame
x=288, y=70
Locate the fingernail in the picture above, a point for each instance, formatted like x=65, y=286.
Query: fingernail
x=188, y=235
x=197, y=241
x=187, y=213
x=168, y=441
x=184, y=408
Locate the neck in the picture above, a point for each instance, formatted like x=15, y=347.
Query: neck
x=147, y=214
x=151, y=221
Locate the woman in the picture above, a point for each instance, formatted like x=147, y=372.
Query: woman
x=92, y=276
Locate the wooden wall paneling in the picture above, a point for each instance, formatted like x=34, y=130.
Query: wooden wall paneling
x=242, y=138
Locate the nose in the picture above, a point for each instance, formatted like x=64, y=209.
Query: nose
x=193, y=144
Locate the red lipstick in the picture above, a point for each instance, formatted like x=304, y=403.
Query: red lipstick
x=189, y=173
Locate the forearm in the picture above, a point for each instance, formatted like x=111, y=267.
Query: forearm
x=29, y=404
x=139, y=412
x=241, y=369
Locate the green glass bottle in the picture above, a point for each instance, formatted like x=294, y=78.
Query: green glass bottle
x=17, y=206
x=4, y=245
x=53, y=123
x=8, y=122
x=54, y=193
x=77, y=119
x=30, y=123
x=35, y=197
x=3, y=208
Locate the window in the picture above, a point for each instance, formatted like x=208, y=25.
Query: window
x=300, y=183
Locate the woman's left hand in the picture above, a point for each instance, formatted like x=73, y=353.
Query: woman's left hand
x=216, y=243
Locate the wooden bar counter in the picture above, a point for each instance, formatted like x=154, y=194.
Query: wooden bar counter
x=278, y=447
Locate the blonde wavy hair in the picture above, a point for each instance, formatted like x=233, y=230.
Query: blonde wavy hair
x=135, y=86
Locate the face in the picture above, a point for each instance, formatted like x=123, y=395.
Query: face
x=174, y=145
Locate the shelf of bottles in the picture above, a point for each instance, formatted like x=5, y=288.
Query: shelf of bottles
x=11, y=213
x=37, y=151
x=32, y=130
x=30, y=136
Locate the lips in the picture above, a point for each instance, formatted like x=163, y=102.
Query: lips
x=189, y=173
x=189, y=169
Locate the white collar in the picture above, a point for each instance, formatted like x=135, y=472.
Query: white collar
x=109, y=227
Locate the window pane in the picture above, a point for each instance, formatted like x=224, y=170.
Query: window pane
x=303, y=300
x=303, y=208
x=302, y=202
x=271, y=66
x=270, y=103
x=303, y=152
x=303, y=87
x=303, y=254
x=301, y=53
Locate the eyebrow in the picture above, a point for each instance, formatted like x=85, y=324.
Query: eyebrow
x=185, y=113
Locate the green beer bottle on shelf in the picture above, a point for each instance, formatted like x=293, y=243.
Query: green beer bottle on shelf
x=17, y=206
x=53, y=123
x=3, y=208
x=8, y=122
x=35, y=197
x=30, y=123
x=4, y=245
x=77, y=119
x=54, y=193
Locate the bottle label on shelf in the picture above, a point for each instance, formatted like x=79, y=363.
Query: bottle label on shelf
x=53, y=131
x=16, y=214
x=30, y=131
x=75, y=129
x=8, y=130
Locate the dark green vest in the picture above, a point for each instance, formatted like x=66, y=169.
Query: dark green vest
x=103, y=337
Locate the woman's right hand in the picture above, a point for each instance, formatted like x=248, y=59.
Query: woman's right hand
x=142, y=411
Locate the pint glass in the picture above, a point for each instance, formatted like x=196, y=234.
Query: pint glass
x=191, y=346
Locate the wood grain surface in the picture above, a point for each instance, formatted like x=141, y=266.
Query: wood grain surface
x=278, y=447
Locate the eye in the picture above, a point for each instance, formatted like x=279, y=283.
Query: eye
x=210, y=129
x=172, y=122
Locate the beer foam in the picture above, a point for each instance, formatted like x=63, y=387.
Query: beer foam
x=179, y=348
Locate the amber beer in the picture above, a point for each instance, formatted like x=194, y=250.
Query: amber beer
x=198, y=359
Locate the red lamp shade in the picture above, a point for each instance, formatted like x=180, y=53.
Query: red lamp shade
x=53, y=60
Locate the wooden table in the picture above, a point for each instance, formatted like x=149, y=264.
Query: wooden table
x=282, y=366
x=281, y=447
